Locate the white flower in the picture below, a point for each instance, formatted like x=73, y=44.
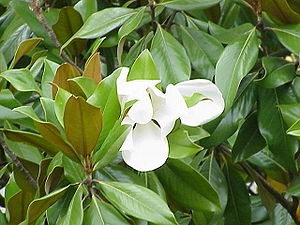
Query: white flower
x=195, y=102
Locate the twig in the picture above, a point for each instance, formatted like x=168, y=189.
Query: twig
x=35, y=5
x=19, y=165
x=152, y=12
x=290, y=207
x=170, y=20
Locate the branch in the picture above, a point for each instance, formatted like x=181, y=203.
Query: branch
x=19, y=165
x=252, y=172
x=35, y=5
x=170, y=20
x=152, y=12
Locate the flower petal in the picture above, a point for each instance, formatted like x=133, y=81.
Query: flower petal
x=205, y=110
x=167, y=108
x=150, y=149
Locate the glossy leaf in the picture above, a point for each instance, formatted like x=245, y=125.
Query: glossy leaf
x=249, y=140
x=93, y=68
x=86, y=8
x=272, y=128
x=143, y=68
x=294, y=129
x=21, y=79
x=180, y=144
x=40, y=205
x=166, y=51
x=138, y=201
x=61, y=99
x=83, y=124
x=203, y=50
x=289, y=36
x=24, y=48
x=31, y=139
x=281, y=11
x=68, y=23
x=189, y=4
x=238, y=207
x=110, y=18
x=111, y=145
x=75, y=212
x=290, y=113
x=63, y=73
x=48, y=75
x=102, y=213
x=235, y=62
x=188, y=186
x=277, y=72
x=105, y=97
x=49, y=132
x=86, y=84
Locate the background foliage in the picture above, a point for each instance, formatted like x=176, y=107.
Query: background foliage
x=59, y=165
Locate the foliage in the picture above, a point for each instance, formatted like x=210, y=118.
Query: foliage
x=62, y=114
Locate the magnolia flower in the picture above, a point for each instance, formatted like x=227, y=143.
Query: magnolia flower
x=146, y=147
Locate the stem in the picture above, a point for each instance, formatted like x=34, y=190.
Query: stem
x=170, y=20
x=19, y=165
x=152, y=11
x=291, y=207
x=35, y=5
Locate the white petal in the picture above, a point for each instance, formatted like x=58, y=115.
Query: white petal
x=141, y=111
x=128, y=143
x=206, y=110
x=167, y=108
x=150, y=149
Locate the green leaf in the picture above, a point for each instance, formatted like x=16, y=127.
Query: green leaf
x=31, y=139
x=272, y=127
x=8, y=114
x=24, y=48
x=249, y=140
x=289, y=36
x=105, y=97
x=230, y=122
x=102, y=213
x=7, y=99
x=132, y=23
x=143, y=68
x=290, y=113
x=203, y=50
x=93, y=67
x=235, y=62
x=63, y=74
x=49, y=111
x=180, y=144
x=83, y=124
x=187, y=186
x=138, y=201
x=86, y=84
x=75, y=211
x=17, y=206
x=68, y=23
x=49, y=132
x=213, y=173
x=277, y=72
x=281, y=11
x=40, y=205
x=21, y=79
x=61, y=99
x=110, y=18
x=170, y=58
x=28, y=16
x=227, y=36
x=294, y=129
x=86, y=8
x=73, y=171
x=294, y=187
x=111, y=145
x=238, y=209
x=189, y=4
x=48, y=75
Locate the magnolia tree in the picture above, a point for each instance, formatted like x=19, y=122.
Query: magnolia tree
x=169, y=112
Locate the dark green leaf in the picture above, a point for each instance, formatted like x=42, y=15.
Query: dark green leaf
x=189, y=4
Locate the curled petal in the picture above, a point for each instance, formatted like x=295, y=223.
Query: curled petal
x=150, y=149
x=205, y=110
x=167, y=108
